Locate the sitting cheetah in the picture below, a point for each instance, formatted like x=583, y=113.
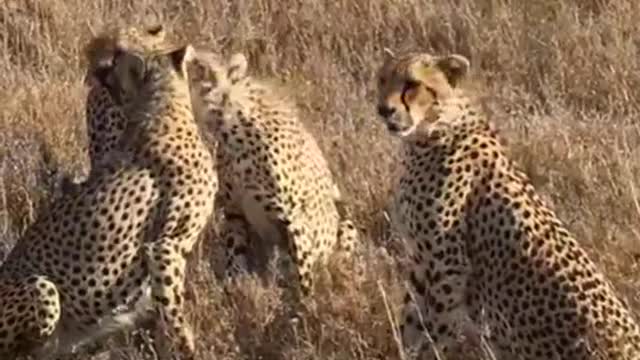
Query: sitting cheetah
x=115, y=248
x=105, y=120
x=482, y=239
x=105, y=124
x=273, y=174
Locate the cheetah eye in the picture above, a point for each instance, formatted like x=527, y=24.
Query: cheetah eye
x=205, y=88
x=410, y=84
x=117, y=54
x=101, y=74
x=198, y=72
x=213, y=79
x=135, y=73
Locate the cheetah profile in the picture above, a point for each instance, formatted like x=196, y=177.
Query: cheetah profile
x=273, y=174
x=481, y=238
x=114, y=250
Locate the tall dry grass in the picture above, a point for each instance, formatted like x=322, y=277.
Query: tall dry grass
x=562, y=80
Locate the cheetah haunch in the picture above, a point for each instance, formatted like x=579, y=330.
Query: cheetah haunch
x=482, y=239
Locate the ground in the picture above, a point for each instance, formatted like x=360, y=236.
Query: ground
x=562, y=81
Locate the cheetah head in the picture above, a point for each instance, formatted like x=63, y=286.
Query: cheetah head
x=212, y=79
x=409, y=86
x=101, y=51
x=134, y=74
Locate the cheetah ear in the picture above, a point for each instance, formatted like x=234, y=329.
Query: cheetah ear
x=137, y=66
x=157, y=30
x=388, y=54
x=100, y=70
x=182, y=56
x=237, y=67
x=153, y=23
x=455, y=67
x=100, y=74
x=124, y=76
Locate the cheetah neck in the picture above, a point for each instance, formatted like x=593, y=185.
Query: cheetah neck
x=255, y=103
x=262, y=94
x=162, y=112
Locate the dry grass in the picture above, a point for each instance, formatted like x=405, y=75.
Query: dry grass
x=568, y=70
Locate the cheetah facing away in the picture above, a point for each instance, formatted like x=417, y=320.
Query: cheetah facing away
x=115, y=248
x=481, y=238
x=272, y=172
x=105, y=120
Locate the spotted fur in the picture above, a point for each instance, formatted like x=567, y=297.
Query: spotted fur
x=274, y=177
x=105, y=121
x=114, y=250
x=484, y=245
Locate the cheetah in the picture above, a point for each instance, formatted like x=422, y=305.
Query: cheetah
x=113, y=251
x=105, y=124
x=105, y=121
x=484, y=246
x=273, y=175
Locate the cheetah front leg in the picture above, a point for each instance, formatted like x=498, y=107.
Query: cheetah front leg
x=304, y=254
x=348, y=237
x=435, y=304
x=167, y=265
x=234, y=233
x=350, y=249
x=267, y=215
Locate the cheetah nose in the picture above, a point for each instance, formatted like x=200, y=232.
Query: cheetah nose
x=385, y=111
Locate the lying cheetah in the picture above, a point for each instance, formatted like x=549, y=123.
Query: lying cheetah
x=273, y=173
x=482, y=239
x=115, y=248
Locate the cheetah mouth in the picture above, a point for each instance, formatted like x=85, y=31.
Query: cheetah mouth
x=399, y=130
